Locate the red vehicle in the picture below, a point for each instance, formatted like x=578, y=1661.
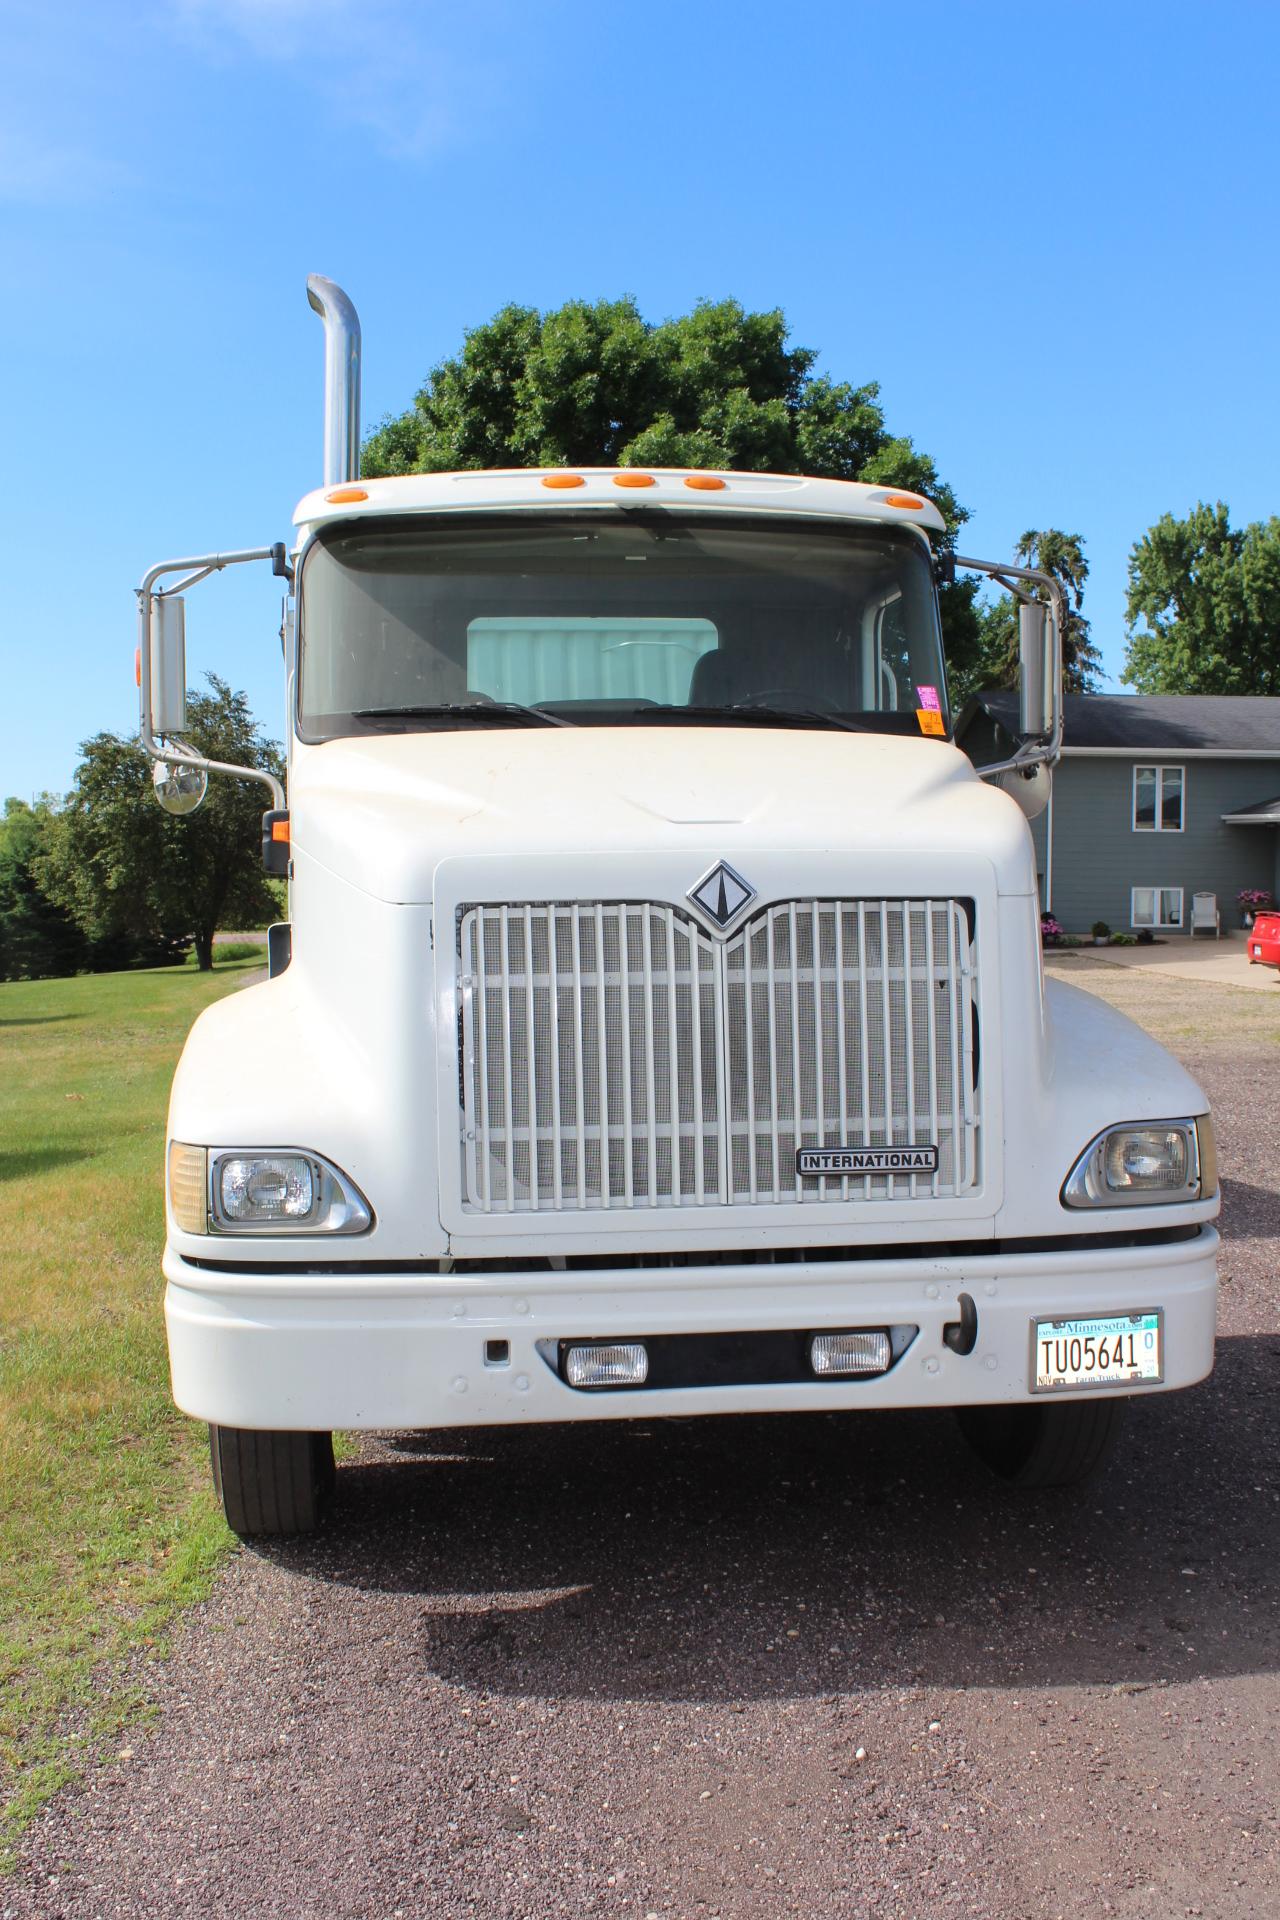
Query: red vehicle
x=1264, y=941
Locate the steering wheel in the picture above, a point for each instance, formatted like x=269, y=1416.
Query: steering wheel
x=770, y=696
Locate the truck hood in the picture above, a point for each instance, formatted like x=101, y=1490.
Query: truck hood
x=382, y=813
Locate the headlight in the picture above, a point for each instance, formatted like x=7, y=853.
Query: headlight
x=256, y=1192
x=1128, y=1166
x=252, y=1190
x=252, y=1187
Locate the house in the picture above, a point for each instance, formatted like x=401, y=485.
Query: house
x=1157, y=797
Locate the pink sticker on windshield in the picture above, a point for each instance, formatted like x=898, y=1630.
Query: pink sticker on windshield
x=929, y=698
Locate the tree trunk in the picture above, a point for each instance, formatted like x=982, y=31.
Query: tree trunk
x=204, y=950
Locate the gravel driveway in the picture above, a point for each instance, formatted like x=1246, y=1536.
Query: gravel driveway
x=809, y=1667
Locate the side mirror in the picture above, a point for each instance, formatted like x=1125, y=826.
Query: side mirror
x=1040, y=624
x=178, y=787
x=1035, y=674
x=169, y=667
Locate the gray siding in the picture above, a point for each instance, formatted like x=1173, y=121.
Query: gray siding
x=1098, y=857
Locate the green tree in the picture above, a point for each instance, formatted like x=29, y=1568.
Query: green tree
x=595, y=384
x=1204, y=605
x=996, y=659
x=38, y=939
x=126, y=871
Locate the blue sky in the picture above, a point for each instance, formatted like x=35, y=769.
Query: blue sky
x=1048, y=232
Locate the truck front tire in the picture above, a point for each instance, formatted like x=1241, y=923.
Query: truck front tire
x=1055, y=1443
x=271, y=1483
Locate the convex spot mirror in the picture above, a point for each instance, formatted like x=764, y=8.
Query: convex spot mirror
x=1030, y=788
x=178, y=788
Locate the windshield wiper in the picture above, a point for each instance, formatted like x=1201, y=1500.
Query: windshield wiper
x=770, y=716
x=499, y=710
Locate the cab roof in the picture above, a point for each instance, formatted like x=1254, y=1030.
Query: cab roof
x=692, y=489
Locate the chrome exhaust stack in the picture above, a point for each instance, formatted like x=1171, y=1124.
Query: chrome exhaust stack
x=341, y=379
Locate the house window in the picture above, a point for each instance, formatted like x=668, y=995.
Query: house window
x=1155, y=907
x=1157, y=799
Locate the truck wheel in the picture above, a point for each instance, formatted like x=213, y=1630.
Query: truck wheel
x=271, y=1482
x=1051, y=1444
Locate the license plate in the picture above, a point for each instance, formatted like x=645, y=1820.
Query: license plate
x=1109, y=1350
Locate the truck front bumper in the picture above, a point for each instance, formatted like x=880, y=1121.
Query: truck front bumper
x=296, y=1350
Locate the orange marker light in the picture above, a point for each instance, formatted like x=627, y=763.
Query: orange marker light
x=563, y=480
x=137, y=666
x=342, y=495
x=629, y=479
x=904, y=500
x=280, y=830
x=704, y=482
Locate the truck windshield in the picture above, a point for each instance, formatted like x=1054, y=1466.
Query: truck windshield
x=626, y=617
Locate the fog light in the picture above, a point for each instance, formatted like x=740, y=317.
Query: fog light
x=619, y=1366
x=837, y=1353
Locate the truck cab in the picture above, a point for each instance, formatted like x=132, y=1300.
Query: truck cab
x=660, y=1026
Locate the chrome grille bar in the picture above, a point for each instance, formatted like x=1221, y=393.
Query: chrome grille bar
x=617, y=1056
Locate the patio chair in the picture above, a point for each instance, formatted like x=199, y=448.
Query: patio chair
x=1205, y=916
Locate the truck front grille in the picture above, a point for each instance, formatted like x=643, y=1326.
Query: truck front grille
x=615, y=1055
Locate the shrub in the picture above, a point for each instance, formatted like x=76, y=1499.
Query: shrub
x=1100, y=930
x=225, y=950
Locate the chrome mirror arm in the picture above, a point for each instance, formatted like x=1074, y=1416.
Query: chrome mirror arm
x=171, y=753
x=1044, y=750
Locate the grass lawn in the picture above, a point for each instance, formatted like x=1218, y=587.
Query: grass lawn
x=107, y=1524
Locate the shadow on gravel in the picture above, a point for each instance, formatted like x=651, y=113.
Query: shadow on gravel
x=756, y=1557
x=1250, y=1213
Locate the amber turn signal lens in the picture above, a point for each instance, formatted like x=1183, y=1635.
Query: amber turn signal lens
x=563, y=480
x=629, y=479
x=704, y=482
x=903, y=500
x=188, y=1196
x=280, y=830
x=341, y=495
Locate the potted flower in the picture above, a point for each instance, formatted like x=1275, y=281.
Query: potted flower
x=1050, y=931
x=1101, y=933
x=1251, y=901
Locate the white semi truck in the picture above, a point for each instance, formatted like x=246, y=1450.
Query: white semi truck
x=659, y=1025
